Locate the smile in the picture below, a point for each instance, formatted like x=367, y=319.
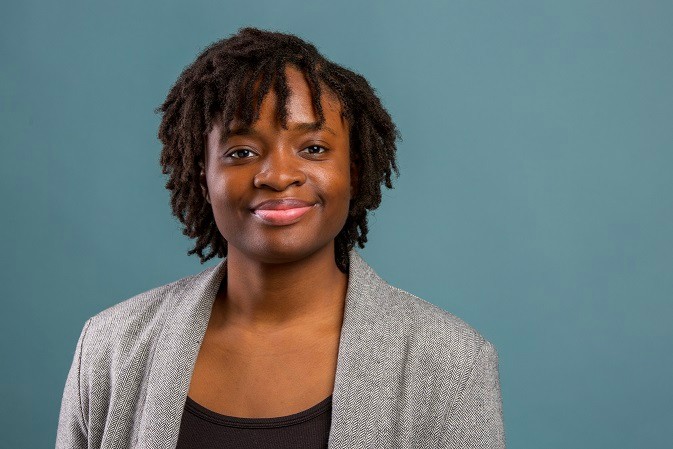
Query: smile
x=281, y=217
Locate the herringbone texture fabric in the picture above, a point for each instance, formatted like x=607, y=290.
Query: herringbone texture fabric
x=409, y=374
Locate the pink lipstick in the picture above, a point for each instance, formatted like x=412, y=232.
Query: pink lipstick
x=283, y=211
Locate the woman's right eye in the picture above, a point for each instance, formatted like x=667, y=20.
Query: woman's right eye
x=236, y=153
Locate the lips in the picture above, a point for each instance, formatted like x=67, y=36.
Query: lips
x=282, y=211
x=282, y=204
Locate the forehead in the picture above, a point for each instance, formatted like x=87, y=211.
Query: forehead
x=298, y=105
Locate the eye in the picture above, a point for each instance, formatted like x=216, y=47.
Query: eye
x=241, y=153
x=315, y=149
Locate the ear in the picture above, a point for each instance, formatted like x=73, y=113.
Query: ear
x=204, y=184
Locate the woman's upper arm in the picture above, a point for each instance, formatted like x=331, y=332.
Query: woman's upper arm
x=72, y=422
x=474, y=418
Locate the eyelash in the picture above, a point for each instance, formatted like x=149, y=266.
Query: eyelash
x=316, y=146
x=246, y=149
x=236, y=151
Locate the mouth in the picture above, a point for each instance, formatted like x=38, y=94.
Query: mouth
x=281, y=217
x=282, y=211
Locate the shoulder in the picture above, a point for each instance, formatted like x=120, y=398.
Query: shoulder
x=130, y=328
x=138, y=311
x=398, y=311
x=435, y=326
x=445, y=351
x=420, y=345
x=426, y=330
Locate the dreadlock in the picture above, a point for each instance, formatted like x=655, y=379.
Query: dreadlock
x=228, y=81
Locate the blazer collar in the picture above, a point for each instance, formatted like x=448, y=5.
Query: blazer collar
x=360, y=372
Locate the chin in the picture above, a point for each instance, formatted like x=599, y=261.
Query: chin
x=283, y=252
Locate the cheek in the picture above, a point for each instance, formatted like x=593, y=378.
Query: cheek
x=225, y=196
x=336, y=185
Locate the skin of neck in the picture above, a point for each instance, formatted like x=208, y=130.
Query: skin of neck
x=268, y=297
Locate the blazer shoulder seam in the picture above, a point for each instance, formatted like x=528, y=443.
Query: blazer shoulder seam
x=79, y=373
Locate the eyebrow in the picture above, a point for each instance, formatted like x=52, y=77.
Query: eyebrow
x=248, y=131
x=314, y=127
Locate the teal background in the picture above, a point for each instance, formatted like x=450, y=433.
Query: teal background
x=535, y=197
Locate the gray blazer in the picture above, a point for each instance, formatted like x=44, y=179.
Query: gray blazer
x=409, y=374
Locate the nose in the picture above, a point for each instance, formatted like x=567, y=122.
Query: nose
x=280, y=170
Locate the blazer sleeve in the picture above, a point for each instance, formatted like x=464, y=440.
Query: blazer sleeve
x=474, y=419
x=72, y=430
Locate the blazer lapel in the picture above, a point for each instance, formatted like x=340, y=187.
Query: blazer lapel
x=361, y=389
x=173, y=362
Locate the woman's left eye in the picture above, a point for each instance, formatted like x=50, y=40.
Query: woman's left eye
x=241, y=153
x=315, y=149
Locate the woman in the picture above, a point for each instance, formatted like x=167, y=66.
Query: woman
x=274, y=156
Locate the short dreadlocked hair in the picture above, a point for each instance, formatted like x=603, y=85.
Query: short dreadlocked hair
x=228, y=81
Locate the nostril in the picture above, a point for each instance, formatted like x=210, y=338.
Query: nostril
x=279, y=180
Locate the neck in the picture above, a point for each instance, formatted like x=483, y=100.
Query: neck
x=272, y=296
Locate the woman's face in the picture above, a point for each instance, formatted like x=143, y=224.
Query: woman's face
x=266, y=162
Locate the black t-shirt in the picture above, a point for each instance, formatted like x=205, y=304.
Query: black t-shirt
x=204, y=429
